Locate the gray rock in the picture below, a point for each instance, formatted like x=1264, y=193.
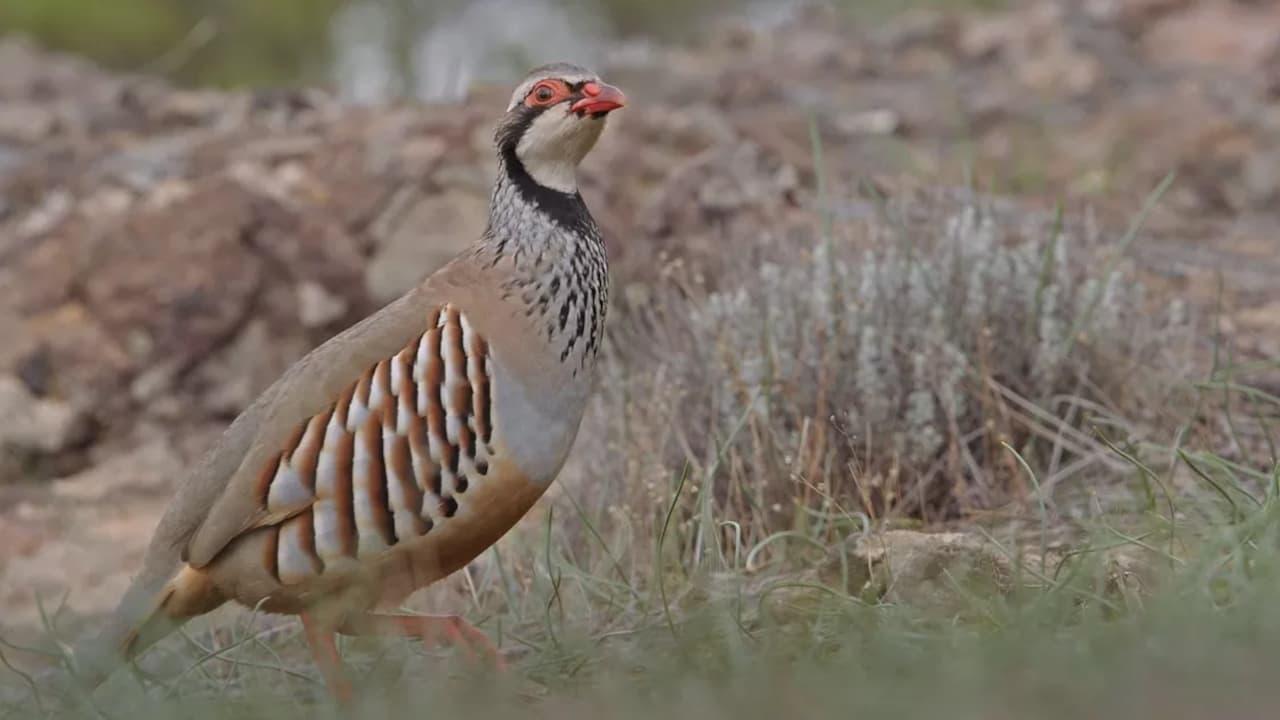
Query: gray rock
x=420, y=236
x=1261, y=175
x=37, y=424
x=870, y=122
x=26, y=123
x=145, y=164
x=317, y=306
x=149, y=468
x=56, y=207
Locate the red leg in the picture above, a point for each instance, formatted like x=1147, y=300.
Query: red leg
x=324, y=649
x=432, y=630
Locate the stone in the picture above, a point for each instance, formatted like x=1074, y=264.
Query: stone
x=1261, y=177
x=75, y=358
x=931, y=571
x=984, y=37
x=142, y=165
x=181, y=279
x=1130, y=13
x=191, y=106
x=55, y=208
x=317, y=306
x=26, y=123
x=152, y=467
x=246, y=366
x=278, y=149
x=1219, y=34
x=37, y=424
x=882, y=121
x=107, y=202
x=421, y=237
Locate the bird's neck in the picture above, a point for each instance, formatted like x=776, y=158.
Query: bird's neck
x=559, y=271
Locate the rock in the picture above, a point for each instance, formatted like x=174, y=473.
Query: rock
x=419, y=236
x=35, y=370
x=317, y=306
x=37, y=424
x=191, y=106
x=1261, y=177
x=142, y=165
x=1218, y=34
x=1130, y=13
x=277, y=183
x=26, y=123
x=19, y=538
x=153, y=382
x=106, y=202
x=932, y=571
x=870, y=122
x=1034, y=43
x=277, y=149
x=237, y=373
x=166, y=193
x=79, y=361
x=984, y=37
x=54, y=209
x=726, y=179
x=150, y=468
x=180, y=279
x=914, y=27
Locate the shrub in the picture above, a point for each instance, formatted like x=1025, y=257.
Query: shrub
x=877, y=373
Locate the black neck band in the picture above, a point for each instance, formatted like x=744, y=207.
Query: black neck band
x=566, y=209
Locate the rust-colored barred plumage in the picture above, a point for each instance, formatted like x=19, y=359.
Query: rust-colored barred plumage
x=382, y=464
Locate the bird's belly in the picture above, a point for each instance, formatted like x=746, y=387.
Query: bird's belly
x=538, y=428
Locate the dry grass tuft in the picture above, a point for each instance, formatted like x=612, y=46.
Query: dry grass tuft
x=876, y=374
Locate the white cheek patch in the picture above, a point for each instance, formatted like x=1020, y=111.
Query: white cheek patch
x=553, y=145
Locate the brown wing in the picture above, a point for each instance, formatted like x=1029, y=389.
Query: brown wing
x=223, y=499
x=379, y=445
x=383, y=464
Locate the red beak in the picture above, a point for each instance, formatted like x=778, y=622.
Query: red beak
x=598, y=99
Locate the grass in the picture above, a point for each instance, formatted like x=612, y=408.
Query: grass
x=713, y=549
x=1082, y=637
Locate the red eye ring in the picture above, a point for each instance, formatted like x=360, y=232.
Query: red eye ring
x=545, y=93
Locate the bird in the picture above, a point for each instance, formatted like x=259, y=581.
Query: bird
x=397, y=451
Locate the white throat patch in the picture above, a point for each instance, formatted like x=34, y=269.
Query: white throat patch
x=553, y=145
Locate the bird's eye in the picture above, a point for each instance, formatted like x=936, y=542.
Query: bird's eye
x=546, y=93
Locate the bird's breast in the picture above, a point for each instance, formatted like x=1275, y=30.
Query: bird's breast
x=535, y=423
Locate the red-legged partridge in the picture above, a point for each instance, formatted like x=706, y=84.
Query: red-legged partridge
x=396, y=452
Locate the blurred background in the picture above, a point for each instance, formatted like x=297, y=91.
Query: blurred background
x=914, y=230
x=373, y=50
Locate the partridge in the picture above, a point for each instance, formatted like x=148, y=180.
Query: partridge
x=396, y=452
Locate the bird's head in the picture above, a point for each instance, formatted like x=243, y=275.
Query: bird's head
x=554, y=119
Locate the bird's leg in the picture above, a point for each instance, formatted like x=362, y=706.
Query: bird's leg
x=432, y=630
x=324, y=649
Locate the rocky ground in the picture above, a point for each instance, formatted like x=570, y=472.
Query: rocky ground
x=165, y=253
